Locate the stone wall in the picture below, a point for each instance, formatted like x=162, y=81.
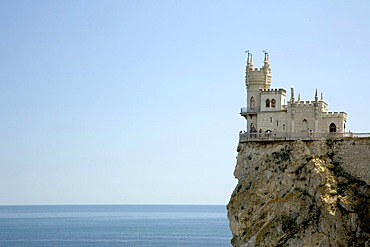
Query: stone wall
x=354, y=156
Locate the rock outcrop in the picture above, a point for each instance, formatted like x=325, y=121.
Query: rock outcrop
x=302, y=193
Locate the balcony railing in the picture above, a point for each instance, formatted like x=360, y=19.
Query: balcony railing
x=280, y=136
x=246, y=110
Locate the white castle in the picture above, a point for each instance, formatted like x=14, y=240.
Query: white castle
x=268, y=112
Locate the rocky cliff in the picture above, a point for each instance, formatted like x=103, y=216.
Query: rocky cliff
x=302, y=193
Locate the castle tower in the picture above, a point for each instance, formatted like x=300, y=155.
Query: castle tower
x=256, y=79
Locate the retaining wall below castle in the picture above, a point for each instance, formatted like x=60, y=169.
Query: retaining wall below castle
x=354, y=156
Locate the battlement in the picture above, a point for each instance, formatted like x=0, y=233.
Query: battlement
x=307, y=103
x=335, y=114
x=257, y=77
x=256, y=72
x=256, y=69
x=302, y=103
x=273, y=90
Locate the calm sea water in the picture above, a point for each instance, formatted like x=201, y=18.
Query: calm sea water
x=114, y=225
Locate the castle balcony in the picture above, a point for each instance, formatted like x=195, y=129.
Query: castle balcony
x=245, y=111
x=289, y=136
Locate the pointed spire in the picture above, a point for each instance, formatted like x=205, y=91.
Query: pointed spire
x=292, y=94
x=322, y=96
x=249, y=59
x=266, y=58
x=316, y=97
x=299, y=97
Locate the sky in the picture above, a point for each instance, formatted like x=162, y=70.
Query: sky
x=138, y=101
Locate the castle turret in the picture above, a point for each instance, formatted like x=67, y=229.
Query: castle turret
x=266, y=69
x=249, y=60
x=256, y=79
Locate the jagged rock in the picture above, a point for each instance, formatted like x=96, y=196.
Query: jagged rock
x=301, y=193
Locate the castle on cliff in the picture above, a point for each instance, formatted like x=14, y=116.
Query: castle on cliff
x=269, y=115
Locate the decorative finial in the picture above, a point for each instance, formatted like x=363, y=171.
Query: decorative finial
x=266, y=59
x=316, y=97
x=249, y=58
x=299, y=97
x=322, y=96
x=292, y=94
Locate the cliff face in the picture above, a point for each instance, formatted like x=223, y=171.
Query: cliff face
x=295, y=193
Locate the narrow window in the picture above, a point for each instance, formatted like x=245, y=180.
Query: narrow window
x=270, y=119
x=277, y=123
x=267, y=103
x=304, y=125
x=252, y=103
x=273, y=103
x=283, y=126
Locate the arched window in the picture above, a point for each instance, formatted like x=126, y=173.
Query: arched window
x=304, y=125
x=252, y=103
x=332, y=127
x=267, y=103
x=273, y=103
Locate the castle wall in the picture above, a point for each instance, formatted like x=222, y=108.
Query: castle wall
x=337, y=118
x=304, y=119
x=354, y=157
x=273, y=94
x=257, y=100
x=278, y=121
x=304, y=110
x=251, y=121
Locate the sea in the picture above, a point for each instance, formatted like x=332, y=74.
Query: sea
x=114, y=225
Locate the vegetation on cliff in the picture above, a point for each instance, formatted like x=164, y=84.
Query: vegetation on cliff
x=298, y=194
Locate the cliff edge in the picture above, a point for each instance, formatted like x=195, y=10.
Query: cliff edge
x=301, y=193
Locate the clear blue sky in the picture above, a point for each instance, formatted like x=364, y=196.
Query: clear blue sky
x=138, y=101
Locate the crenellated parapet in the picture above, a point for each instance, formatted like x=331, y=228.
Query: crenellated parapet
x=273, y=90
x=336, y=114
x=309, y=105
x=256, y=70
x=259, y=77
